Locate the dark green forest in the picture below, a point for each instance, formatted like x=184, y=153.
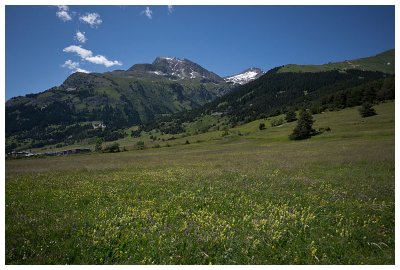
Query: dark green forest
x=276, y=93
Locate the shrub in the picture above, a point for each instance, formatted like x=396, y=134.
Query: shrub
x=290, y=116
x=112, y=148
x=98, y=145
x=261, y=126
x=140, y=145
x=136, y=133
x=225, y=133
x=276, y=122
x=323, y=129
x=366, y=110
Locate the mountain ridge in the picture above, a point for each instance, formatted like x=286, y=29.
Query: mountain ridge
x=383, y=62
x=118, y=98
x=123, y=98
x=174, y=67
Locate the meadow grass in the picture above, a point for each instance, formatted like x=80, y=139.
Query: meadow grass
x=252, y=199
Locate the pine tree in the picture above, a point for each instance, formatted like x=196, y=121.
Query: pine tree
x=304, y=129
x=366, y=110
x=290, y=116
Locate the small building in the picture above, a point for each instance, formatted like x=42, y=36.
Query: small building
x=21, y=154
x=98, y=125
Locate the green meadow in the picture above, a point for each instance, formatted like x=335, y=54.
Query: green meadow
x=245, y=196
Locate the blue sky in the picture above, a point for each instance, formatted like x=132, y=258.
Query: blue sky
x=43, y=48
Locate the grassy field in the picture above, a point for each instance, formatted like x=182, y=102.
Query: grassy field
x=251, y=197
x=383, y=62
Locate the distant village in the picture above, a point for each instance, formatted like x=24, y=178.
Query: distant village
x=18, y=154
x=57, y=153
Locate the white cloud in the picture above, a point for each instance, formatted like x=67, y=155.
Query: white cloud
x=81, y=70
x=147, y=12
x=66, y=8
x=70, y=64
x=93, y=19
x=63, y=14
x=101, y=60
x=80, y=36
x=170, y=9
x=83, y=53
x=87, y=55
x=74, y=66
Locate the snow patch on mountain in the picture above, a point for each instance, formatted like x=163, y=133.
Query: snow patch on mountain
x=167, y=58
x=175, y=67
x=245, y=76
x=157, y=72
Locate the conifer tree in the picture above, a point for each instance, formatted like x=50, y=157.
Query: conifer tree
x=304, y=129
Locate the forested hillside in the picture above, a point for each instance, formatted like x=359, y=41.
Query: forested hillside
x=275, y=93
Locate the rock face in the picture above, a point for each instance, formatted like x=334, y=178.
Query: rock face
x=245, y=76
x=176, y=68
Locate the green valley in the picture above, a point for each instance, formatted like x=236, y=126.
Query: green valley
x=200, y=135
x=234, y=196
x=185, y=168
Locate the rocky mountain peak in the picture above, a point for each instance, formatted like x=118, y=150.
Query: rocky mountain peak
x=176, y=68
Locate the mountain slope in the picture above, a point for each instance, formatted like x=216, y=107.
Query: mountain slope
x=119, y=99
x=274, y=92
x=383, y=62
